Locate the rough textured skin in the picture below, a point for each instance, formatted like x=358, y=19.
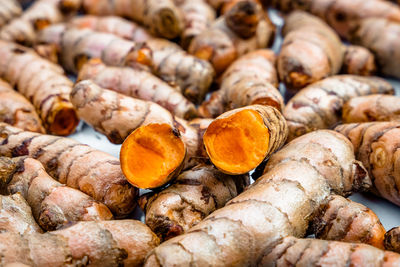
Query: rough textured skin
x=163, y=17
x=273, y=120
x=198, y=15
x=341, y=219
x=170, y=62
x=113, y=114
x=281, y=203
x=341, y=14
x=319, y=105
x=376, y=145
x=9, y=9
x=107, y=243
x=358, y=60
x=17, y=111
x=191, y=197
x=77, y=165
x=43, y=83
x=16, y=215
x=53, y=204
x=225, y=40
x=392, y=239
x=311, y=51
x=251, y=79
x=38, y=16
x=372, y=108
x=292, y=251
x=138, y=84
x=382, y=37
x=77, y=46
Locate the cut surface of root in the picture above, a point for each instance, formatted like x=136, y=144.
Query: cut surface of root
x=151, y=155
x=237, y=143
x=65, y=122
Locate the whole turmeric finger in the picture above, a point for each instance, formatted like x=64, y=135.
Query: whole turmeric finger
x=242, y=29
x=341, y=219
x=190, y=198
x=16, y=110
x=9, y=9
x=43, y=83
x=103, y=243
x=292, y=251
x=381, y=36
x=241, y=139
x=53, y=204
x=163, y=17
x=138, y=84
x=358, y=60
x=376, y=146
x=311, y=51
x=371, y=108
x=319, y=105
x=79, y=166
x=77, y=46
x=280, y=203
x=251, y=79
x=341, y=14
x=16, y=215
x=392, y=239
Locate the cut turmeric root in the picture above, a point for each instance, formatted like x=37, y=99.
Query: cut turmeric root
x=372, y=108
x=190, y=198
x=239, y=140
x=43, y=83
x=77, y=165
x=251, y=79
x=392, y=239
x=53, y=204
x=16, y=110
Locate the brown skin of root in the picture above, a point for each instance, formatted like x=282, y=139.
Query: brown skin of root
x=243, y=18
x=358, y=61
x=152, y=155
x=392, y=240
x=228, y=140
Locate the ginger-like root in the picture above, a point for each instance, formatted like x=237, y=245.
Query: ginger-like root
x=358, y=60
x=53, y=204
x=79, y=166
x=342, y=14
x=43, y=83
x=38, y=16
x=191, y=197
x=341, y=219
x=376, y=145
x=198, y=16
x=311, y=51
x=249, y=80
x=138, y=84
x=103, y=243
x=382, y=37
x=77, y=46
x=9, y=9
x=319, y=106
x=16, y=110
x=15, y=213
x=239, y=140
x=292, y=251
x=279, y=204
x=372, y=108
x=113, y=114
x=242, y=29
x=163, y=17
x=392, y=239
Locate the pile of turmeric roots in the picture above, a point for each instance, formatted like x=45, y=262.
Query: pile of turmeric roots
x=198, y=100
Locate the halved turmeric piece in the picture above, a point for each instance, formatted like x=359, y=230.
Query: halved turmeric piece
x=239, y=140
x=152, y=155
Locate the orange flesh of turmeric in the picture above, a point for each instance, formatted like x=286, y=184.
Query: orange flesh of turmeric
x=238, y=143
x=150, y=154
